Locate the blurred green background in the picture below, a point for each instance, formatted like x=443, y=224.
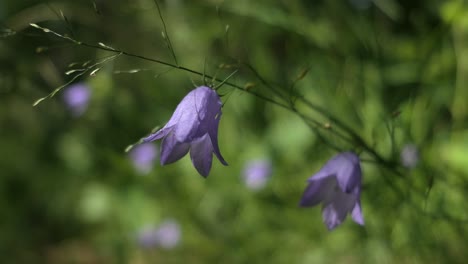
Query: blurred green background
x=395, y=71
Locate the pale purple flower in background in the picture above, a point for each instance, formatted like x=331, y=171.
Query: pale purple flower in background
x=76, y=97
x=409, y=156
x=166, y=236
x=256, y=174
x=143, y=156
x=338, y=187
x=194, y=127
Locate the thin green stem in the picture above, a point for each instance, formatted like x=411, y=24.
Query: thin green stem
x=288, y=105
x=166, y=35
x=171, y=65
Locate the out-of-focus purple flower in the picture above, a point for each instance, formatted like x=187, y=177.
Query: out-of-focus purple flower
x=194, y=127
x=409, y=156
x=167, y=235
x=338, y=187
x=143, y=156
x=76, y=98
x=256, y=174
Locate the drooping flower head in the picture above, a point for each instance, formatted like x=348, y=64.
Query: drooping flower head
x=256, y=174
x=338, y=187
x=194, y=127
x=167, y=235
x=143, y=156
x=409, y=156
x=76, y=98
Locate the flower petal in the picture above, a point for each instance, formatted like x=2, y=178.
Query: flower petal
x=172, y=150
x=187, y=115
x=335, y=209
x=356, y=214
x=325, y=172
x=332, y=217
x=317, y=191
x=158, y=134
x=348, y=171
x=187, y=126
x=214, y=142
x=201, y=153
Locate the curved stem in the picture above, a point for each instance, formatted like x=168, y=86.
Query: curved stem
x=359, y=141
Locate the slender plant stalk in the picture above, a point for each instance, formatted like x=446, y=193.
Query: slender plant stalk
x=288, y=105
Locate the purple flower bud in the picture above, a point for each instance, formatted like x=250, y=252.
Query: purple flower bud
x=338, y=187
x=143, y=156
x=76, y=98
x=166, y=236
x=194, y=127
x=409, y=156
x=256, y=174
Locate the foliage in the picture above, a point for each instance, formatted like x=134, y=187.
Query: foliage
x=311, y=78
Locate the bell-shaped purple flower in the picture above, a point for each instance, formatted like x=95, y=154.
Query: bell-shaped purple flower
x=76, y=98
x=338, y=187
x=194, y=127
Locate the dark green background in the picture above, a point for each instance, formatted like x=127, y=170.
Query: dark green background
x=69, y=194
